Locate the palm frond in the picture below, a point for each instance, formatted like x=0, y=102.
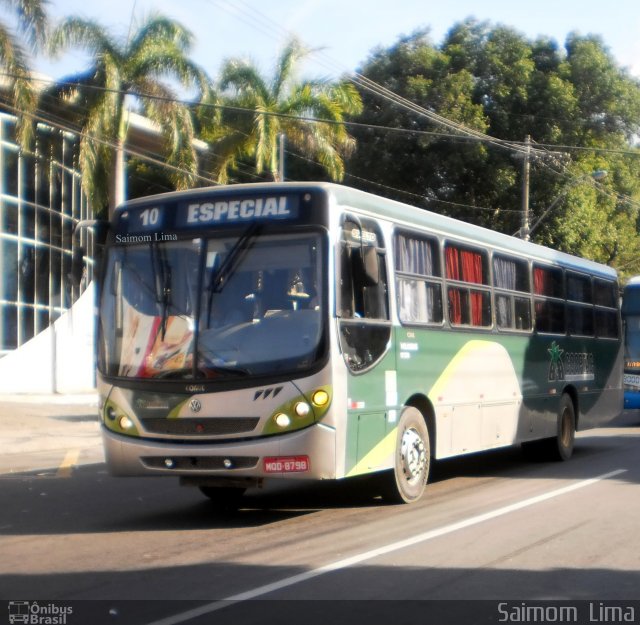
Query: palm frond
x=86, y=34
x=293, y=52
x=245, y=81
x=32, y=20
x=159, y=28
x=157, y=50
x=24, y=98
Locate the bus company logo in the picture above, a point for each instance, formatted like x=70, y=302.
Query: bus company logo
x=35, y=613
x=556, y=366
x=570, y=366
x=195, y=405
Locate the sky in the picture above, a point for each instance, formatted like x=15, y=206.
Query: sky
x=347, y=31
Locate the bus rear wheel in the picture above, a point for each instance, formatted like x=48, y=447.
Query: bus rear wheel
x=561, y=447
x=412, y=459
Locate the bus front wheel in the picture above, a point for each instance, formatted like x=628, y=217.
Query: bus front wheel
x=412, y=459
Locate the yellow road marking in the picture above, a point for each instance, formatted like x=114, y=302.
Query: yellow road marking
x=70, y=460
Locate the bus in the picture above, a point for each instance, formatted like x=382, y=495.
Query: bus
x=631, y=324
x=314, y=331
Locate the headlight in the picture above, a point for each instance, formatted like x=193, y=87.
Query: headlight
x=125, y=423
x=320, y=398
x=302, y=409
x=282, y=420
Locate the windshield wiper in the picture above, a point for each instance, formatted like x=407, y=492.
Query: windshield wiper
x=162, y=283
x=230, y=263
x=233, y=258
x=200, y=373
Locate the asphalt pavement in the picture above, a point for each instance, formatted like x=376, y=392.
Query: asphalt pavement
x=48, y=433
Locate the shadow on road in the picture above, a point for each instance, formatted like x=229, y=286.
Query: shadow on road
x=91, y=501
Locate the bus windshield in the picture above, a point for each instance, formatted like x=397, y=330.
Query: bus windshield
x=213, y=308
x=632, y=339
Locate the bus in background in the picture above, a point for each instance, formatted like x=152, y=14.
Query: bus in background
x=631, y=325
x=312, y=331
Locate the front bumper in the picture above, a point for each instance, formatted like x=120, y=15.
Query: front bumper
x=131, y=456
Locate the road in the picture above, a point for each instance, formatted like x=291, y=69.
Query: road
x=490, y=527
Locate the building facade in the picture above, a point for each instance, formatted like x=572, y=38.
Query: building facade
x=41, y=201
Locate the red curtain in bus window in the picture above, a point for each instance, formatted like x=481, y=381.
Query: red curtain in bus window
x=540, y=281
x=476, y=308
x=452, y=257
x=452, y=260
x=472, y=272
x=471, y=267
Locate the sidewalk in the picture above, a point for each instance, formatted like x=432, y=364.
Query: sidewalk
x=48, y=432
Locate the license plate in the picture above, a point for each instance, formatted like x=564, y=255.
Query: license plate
x=286, y=464
x=631, y=380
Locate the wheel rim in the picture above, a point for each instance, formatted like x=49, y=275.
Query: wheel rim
x=413, y=455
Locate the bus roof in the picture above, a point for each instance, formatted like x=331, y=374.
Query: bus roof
x=404, y=214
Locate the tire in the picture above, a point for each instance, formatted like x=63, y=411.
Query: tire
x=561, y=447
x=223, y=498
x=412, y=459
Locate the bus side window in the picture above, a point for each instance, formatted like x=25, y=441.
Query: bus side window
x=512, y=296
x=347, y=304
x=418, y=278
x=360, y=296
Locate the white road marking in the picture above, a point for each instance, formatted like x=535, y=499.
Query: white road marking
x=380, y=551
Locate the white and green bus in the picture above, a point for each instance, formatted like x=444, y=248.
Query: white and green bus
x=309, y=330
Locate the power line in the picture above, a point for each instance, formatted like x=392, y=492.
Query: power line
x=518, y=146
x=158, y=160
x=363, y=82
x=259, y=20
x=457, y=131
x=110, y=144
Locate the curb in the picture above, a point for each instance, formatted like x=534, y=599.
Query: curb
x=57, y=399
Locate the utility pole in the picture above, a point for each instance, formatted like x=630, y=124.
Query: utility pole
x=281, y=157
x=524, y=228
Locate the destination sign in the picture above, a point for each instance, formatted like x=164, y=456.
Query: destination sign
x=631, y=380
x=160, y=222
x=207, y=213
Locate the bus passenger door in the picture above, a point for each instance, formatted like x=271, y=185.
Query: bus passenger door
x=364, y=329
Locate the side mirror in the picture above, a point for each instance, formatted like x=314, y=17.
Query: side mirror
x=79, y=253
x=77, y=266
x=366, y=265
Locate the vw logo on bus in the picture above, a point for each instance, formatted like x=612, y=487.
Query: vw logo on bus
x=195, y=405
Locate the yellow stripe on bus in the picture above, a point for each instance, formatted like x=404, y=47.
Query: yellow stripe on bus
x=380, y=457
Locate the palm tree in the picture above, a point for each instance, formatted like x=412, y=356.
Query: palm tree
x=257, y=111
x=136, y=67
x=31, y=23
